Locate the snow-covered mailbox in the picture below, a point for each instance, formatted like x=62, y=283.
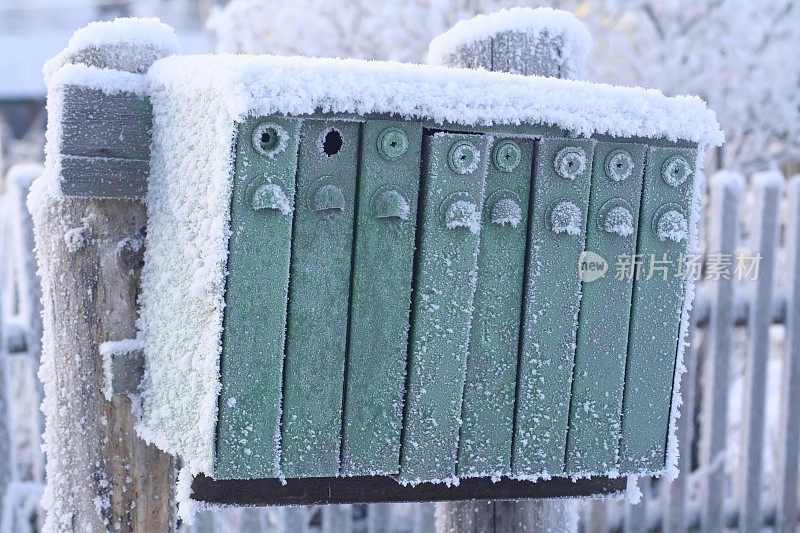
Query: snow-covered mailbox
x=359, y=273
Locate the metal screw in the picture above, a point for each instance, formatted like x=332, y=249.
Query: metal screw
x=392, y=143
x=464, y=157
x=507, y=156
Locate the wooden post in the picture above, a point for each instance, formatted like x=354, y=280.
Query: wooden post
x=100, y=475
x=557, y=51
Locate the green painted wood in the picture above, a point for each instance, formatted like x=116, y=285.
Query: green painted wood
x=556, y=237
x=656, y=311
x=319, y=299
x=598, y=378
x=248, y=431
x=452, y=194
x=380, y=306
x=488, y=409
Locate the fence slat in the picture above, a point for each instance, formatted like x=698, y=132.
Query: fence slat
x=726, y=190
x=674, y=501
x=790, y=422
x=6, y=459
x=635, y=518
x=768, y=187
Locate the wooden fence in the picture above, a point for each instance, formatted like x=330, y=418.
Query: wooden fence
x=739, y=432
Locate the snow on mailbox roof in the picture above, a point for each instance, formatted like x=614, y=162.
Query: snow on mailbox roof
x=298, y=85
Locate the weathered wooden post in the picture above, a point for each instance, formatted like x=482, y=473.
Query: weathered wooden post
x=100, y=475
x=541, y=42
x=6, y=463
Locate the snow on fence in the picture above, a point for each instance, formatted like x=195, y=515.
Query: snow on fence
x=739, y=432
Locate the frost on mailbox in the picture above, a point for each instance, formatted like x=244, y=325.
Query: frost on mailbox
x=372, y=269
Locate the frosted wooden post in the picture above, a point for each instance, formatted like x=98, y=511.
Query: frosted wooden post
x=726, y=191
x=553, y=45
x=100, y=475
x=768, y=187
x=790, y=422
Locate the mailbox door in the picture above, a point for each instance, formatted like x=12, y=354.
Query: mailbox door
x=383, y=260
x=319, y=292
x=611, y=230
x=552, y=295
x=488, y=410
x=446, y=267
x=658, y=297
x=251, y=367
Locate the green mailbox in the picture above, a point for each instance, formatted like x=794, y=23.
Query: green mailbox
x=375, y=278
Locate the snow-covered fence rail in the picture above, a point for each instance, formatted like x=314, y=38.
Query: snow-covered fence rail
x=739, y=428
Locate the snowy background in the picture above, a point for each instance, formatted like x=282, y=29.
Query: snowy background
x=740, y=56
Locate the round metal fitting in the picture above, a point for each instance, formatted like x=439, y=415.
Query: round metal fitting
x=269, y=139
x=507, y=156
x=565, y=217
x=464, y=157
x=504, y=208
x=615, y=217
x=670, y=223
x=460, y=211
x=392, y=143
x=389, y=203
x=676, y=170
x=619, y=165
x=570, y=162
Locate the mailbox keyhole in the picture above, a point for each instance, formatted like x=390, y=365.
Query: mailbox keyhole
x=332, y=143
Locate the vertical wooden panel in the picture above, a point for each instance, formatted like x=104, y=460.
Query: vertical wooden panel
x=383, y=259
x=556, y=238
x=598, y=378
x=319, y=292
x=768, y=187
x=6, y=447
x=725, y=195
x=251, y=367
x=452, y=196
x=790, y=421
x=675, y=501
x=635, y=517
x=488, y=409
x=658, y=299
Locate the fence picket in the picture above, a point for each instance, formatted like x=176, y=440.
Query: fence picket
x=635, y=518
x=726, y=190
x=790, y=422
x=768, y=188
x=674, y=495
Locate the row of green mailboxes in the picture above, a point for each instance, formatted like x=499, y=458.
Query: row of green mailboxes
x=408, y=302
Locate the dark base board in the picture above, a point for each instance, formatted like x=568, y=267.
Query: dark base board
x=382, y=489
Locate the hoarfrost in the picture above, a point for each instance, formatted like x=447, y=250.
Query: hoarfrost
x=507, y=211
x=619, y=220
x=672, y=226
x=566, y=218
x=463, y=214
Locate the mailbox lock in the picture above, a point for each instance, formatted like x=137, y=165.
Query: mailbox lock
x=615, y=217
x=269, y=139
x=670, y=224
x=570, y=162
x=389, y=203
x=392, y=143
x=619, y=165
x=675, y=170
x=507, y=156
x=464, y=157
x=503, y=208
x=459, y=211
x=565, y=217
